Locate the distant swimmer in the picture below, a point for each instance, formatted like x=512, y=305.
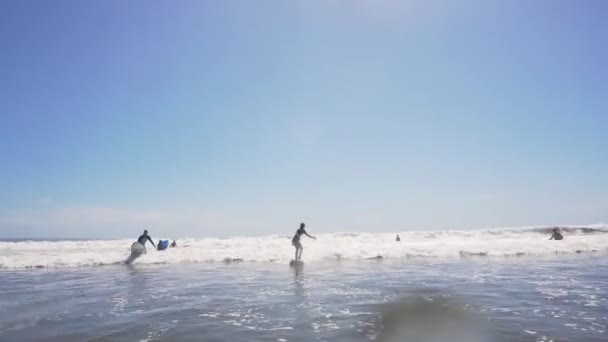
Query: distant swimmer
x=173, y=244
x=144, y=238
x=397, y=238
x=296, y=240
x=556, y=235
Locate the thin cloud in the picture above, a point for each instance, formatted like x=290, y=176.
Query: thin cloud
x=110, y=221
x=46, y=200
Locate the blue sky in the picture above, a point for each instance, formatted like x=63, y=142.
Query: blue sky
x=219, y=118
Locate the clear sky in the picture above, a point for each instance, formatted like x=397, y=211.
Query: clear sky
x=218, y=118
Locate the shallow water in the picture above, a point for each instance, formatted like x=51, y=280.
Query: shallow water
x=559, y=298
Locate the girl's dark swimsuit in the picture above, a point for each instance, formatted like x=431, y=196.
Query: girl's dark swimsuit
x=298, y=234
x=144, y=238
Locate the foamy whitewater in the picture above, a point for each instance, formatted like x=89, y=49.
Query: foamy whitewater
x=505, y=242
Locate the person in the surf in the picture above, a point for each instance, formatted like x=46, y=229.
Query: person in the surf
x=143, y=238
x=173, y=244
x=556, y=235
x=296, y=240
x=397, y=238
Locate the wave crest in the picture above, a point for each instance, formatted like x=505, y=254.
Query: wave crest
x=338, y=246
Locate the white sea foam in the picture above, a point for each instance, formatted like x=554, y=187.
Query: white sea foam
x=471, y=243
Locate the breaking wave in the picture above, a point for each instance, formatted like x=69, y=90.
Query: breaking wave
x=275, y=248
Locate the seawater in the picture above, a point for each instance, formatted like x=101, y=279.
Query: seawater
x=556, y=297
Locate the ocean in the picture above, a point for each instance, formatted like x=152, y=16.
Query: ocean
x=485, y=285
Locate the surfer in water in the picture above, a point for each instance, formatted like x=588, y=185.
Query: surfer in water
x=296, y=240
x=556, y=235
x=143, y=238
x=138, y=248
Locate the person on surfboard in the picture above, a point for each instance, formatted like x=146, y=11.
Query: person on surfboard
x=139, y=247
x=145, y=238
x=296, y=240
